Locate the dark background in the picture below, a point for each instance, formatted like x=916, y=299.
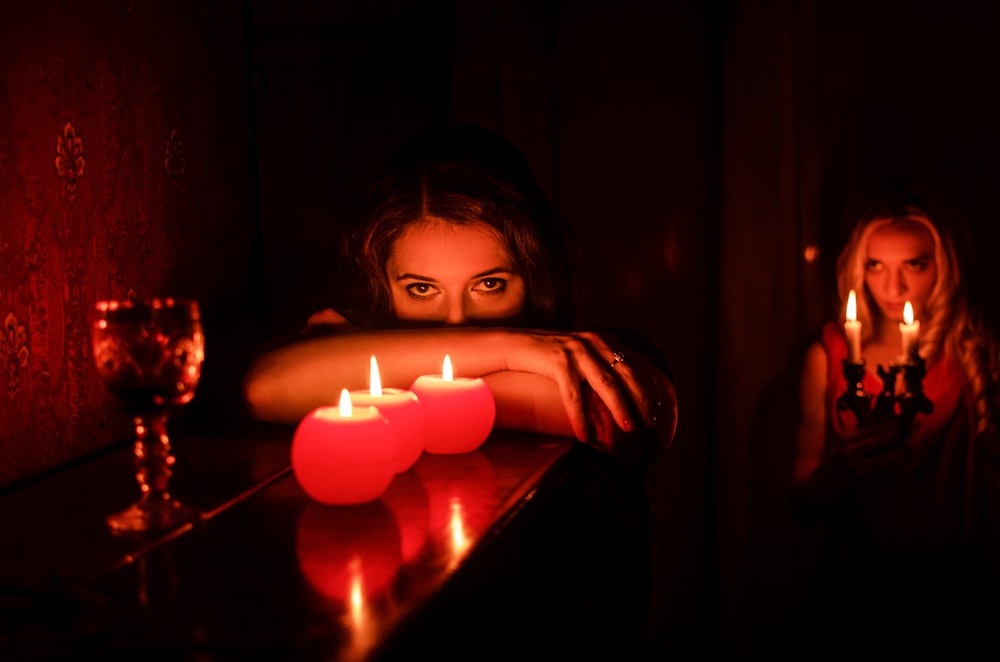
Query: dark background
x=700, y=148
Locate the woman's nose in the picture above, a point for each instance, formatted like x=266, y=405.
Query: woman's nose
x=456, y=311
x=896, y=283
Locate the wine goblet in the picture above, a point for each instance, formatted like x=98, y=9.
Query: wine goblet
x=149, y=357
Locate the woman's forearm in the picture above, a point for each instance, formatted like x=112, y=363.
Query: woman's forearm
x=538, y=377
x=286, y=383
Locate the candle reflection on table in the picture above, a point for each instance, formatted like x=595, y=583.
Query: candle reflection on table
x=361, y=623
x=341, y=548
x=462, y=495
x=459, y=539
x=407, y=499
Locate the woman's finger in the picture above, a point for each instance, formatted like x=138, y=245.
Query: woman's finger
x=569, y=359
x=603, y=378
x=562, y=369
x=634, y=375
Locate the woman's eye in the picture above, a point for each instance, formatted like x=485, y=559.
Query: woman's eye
x=491, y=285
x=420, y=290
x=873, y=265
x=917, y=265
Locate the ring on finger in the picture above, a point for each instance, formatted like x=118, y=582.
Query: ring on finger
x=616, y=358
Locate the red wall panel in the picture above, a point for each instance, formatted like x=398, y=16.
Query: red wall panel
x=126, y=169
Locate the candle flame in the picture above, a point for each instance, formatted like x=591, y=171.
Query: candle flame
x=376, y=381
x=345, y=403
x=852, y=307
x=446, y=369
x=908, y=313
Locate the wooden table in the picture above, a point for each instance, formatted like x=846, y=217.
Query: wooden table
x=524, y=542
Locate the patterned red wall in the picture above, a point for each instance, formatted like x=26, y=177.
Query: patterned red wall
x=126, y=169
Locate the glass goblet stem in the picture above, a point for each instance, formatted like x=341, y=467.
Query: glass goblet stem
x=153, y=459
x=156, y=509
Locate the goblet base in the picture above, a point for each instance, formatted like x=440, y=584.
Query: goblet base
x=151, y=516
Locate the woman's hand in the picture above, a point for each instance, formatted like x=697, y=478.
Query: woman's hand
x=646, y=443
x=611, y=395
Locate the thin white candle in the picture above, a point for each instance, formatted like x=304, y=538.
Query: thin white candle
x=852, y=329
x=909, y=329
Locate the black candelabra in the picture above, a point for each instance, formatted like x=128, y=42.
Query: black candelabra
x=887, y=404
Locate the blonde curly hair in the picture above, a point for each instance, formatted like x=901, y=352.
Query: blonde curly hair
x=948, y=326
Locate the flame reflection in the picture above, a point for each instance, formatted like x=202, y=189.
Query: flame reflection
x=459, y=539
x=462, y=495
x=407, y=499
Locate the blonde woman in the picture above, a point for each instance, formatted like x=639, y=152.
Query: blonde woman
x=908, y=510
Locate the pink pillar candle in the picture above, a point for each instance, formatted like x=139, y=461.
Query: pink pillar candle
x=344, y=455
x=460, y=411
x=403, y=411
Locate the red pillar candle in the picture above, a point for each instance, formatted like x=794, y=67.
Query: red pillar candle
x=460, y=411
x=344, y=455
x=403, y=411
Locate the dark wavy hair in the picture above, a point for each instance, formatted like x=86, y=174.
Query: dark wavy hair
x=463, y=175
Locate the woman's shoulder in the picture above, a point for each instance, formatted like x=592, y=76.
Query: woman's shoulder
x=816, y=358
x=831, y=336
x=828, y=347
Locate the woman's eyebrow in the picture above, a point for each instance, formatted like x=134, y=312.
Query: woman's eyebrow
x=488, y=272
x=494, y=271
x=409, y=276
